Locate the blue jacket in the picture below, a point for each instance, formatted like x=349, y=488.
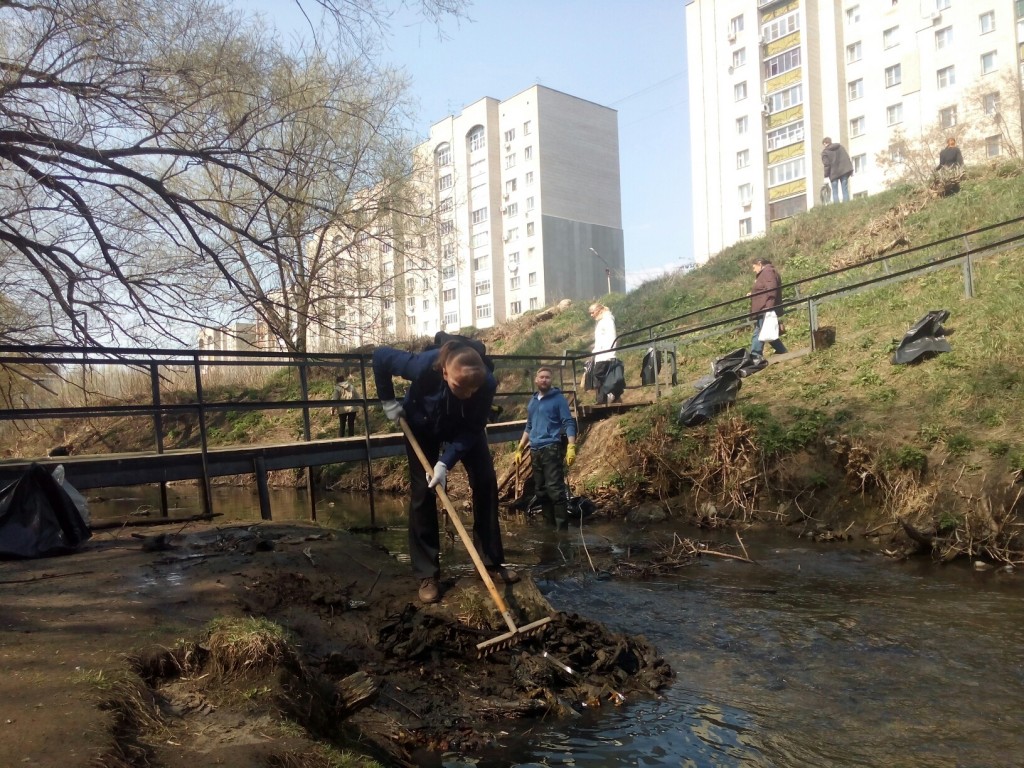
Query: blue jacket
x=430, y=407
x=547, y=418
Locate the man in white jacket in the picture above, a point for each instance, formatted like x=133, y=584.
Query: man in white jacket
x=604, y=354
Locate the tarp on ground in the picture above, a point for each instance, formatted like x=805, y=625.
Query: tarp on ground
x=38, y=518
x=739, y=361
x=719, y=394
x=924, y=339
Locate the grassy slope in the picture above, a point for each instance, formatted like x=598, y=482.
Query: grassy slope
x=954, y=421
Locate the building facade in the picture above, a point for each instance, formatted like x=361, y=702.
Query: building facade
x=888, y=79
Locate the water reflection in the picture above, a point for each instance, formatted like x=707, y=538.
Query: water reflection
x=827, y=656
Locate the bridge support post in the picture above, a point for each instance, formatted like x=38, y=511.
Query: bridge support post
x=260, y=470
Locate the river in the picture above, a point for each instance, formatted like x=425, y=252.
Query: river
x=815, y=655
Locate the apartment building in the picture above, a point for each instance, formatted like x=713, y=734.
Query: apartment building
x=770, y=78
x=527, y=196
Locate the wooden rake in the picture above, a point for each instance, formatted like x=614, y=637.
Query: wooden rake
x=515, y=632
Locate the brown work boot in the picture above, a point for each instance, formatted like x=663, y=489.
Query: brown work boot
x=430, y=590
x=502, y=575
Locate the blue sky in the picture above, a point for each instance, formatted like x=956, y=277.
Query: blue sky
x=629, y=55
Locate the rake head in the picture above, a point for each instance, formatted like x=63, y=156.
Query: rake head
x=507, y=640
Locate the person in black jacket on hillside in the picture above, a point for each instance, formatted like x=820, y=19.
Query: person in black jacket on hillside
x=838, y=168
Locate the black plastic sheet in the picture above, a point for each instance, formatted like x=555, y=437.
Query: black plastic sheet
x=924, y=339
x=719, y=394
x=739, y=361
x=38, y=518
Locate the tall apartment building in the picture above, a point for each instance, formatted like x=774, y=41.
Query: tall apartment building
x=770, y=78
x=528, y=201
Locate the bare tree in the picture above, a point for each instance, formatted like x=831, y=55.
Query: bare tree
x=160, y=165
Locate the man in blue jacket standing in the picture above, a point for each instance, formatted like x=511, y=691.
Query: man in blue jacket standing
x=547, y=419
x=447, y=403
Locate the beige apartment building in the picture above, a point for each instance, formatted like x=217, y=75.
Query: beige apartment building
x=888, y=79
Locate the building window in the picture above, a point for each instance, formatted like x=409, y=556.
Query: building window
x=944, y=37
x=896, y=152
x=448, y=252
x=445, y=182
x=787, y=134
x=526, y=128
x=746, y=227
x=481, y=262
x=786, y=98
x=426, y=304
x=993, y=146
x=447, y=227
x=410, y=306
x=529, y=203
x=739, y=91
x=512, y=234
x=448, y=272
x=987, y=22
x=739, y=57
x=483, y=287
x=483, y=312
x=782, y=63
x=860, y=163
x=853, y=14
x=988, y=62
x=890, y=37
x=857, y=126
x=853, y=52
x=510, y=160
x=894, y=114
x=532, y=279
x=855, y=89
x=780, y=27
x=513, y=282
x=510, y=186
x=743, y=158
x=528, y=153
x=787, y=171
x=479, y=239
x=946, y=77
x=947, y=117
x=515, y=308
x=512, y=209
x=990, y=102
x=534, y=302
x=446, y=205
x=741, y=125
x=513, y=259
x=893, y=75
x=783, y=209
x=746, y=193
x=530, y=228
x=443, y=155
x=941, y=5
x=477, y=139
x=479, y=216
x=451, y=318
x=510, y=134
x=735, y=26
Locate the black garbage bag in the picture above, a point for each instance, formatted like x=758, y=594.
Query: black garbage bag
x=656, y=360
x=38, y=518
x=924, y=339
x=739, y=361
x=719, y=394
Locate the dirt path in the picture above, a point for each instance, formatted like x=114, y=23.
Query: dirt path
x=107, y=656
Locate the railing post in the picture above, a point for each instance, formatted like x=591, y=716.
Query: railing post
x=158, y=429
x=306, y=431
x=812, y=318
x=968, y=276
x=204, y=446
x=366, y=429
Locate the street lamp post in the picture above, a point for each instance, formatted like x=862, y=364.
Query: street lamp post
x=607, y=269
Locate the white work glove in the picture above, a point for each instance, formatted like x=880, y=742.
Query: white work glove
x=393, y=410
x=440, y=476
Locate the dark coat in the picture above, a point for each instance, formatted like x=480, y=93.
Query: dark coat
x=950, y=157
x=836, y=161
x=767, y=280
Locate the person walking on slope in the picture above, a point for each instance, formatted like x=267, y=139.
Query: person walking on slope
x=547, y=418
x=447, y=404
x=604, y=354
x=838, y=168
x=765, y=297
x=950, y=156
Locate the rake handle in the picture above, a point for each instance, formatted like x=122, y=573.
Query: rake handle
x=457, y=522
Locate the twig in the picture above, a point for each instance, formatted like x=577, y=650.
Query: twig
x=44, y=577
x=742, y=545
x=374, y=584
